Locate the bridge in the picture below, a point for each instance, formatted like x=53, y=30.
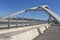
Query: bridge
x=22, y=28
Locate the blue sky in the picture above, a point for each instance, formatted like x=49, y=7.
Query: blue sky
x=12, y=6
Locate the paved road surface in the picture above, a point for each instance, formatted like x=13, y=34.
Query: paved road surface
x=52, y=33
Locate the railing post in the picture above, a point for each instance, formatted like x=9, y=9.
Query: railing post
x=22, y=22
x=9, y=21
x=17, y=21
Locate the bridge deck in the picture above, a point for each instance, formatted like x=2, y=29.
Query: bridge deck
x=52, y=33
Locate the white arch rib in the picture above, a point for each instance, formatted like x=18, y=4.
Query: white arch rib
x=18, y=12
x=45, y=7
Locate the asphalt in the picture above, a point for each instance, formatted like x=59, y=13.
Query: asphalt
x=52, y=33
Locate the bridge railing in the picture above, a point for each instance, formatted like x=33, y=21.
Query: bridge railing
x=13, y=23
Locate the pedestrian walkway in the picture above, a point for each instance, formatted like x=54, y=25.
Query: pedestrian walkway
x=52, y=33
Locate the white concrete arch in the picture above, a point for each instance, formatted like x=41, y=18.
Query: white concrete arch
x=39, y=8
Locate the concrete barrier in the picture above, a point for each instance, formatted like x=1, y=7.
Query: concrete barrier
x=24, y=33
x=30, y=35
x=42, y=29
x=47, y=26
